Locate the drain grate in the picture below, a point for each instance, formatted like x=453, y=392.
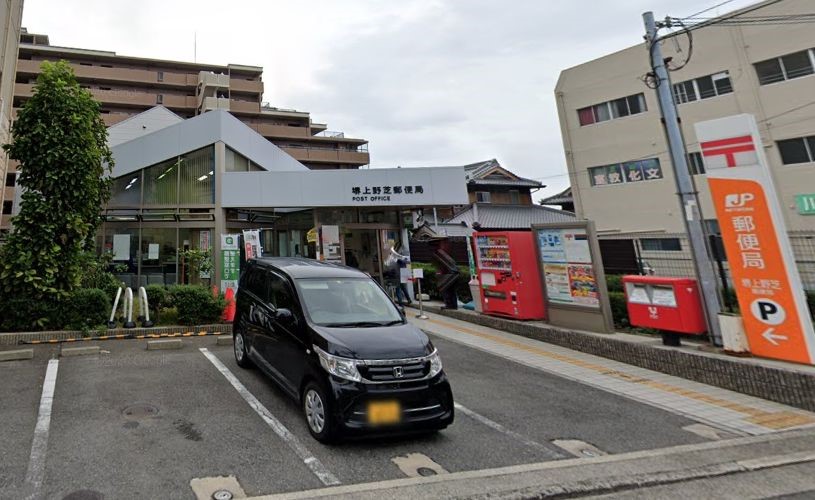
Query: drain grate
x=140, y=411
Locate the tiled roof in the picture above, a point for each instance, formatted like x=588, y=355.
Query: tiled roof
x=510, y=216
x=520, y=182
x=475, y=173
x=564, y=196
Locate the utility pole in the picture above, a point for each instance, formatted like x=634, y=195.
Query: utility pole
x=705, y=275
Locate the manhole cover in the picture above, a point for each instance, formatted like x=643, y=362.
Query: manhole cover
x=426, y=471
x=222, y=495
x=140, y=411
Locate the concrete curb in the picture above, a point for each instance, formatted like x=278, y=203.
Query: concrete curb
x=16, y=354
x=14, y=338
x=160, y=345
x=67, y=352
x=780, y=384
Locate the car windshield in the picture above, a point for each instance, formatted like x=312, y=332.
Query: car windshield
x=347, y=302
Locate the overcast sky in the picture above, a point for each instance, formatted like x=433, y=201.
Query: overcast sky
x=427, y=82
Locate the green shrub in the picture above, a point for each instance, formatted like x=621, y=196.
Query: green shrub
x=85, y=308
x=196, y=305
x=429, y=280
x=619, y=309
x=614, y=283
x=157, y=298
x=23, y=315
x=95, y=274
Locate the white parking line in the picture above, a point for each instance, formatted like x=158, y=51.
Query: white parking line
x=514, y=435
x=317, y=467
x=35, y=474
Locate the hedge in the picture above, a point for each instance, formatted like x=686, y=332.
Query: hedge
x=195, y=304
x=430, y=281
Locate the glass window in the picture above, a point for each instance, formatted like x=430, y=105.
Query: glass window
x=586, y=116
x=11, y=177
x=197, y=174
x=769, y=71
x=661, y=244
x=126, y=190
x=619, y=108
x=347, y=301
x=706, y=88
x=161, y=183
x=235, y=162
x=797, y=64
x=256, y=282
x=515, y=197
x=695, y=164
x=794, y=151
x=684, y=92
x=280, y=295
x=636, y=104
x=722, y=83
x=482, y=196
x=159, y=255
x=601, y=112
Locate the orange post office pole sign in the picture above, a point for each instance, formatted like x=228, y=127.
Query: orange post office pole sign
x=768, y=286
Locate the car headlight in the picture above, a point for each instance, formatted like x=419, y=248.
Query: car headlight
x=341, y=367
x=435, y=364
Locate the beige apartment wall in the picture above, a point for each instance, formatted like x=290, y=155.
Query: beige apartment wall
x=11, y=14
x=783, y=110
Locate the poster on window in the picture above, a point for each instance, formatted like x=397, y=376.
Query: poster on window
x=230, y=262
x=583, y=285
x=557, y=283
x=330, y=242
x=251, y=242
x=576, y=245
x=121, y=247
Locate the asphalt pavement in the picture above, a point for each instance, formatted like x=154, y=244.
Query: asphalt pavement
x=131, y=423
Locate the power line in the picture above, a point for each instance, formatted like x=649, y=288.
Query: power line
x=709, y=8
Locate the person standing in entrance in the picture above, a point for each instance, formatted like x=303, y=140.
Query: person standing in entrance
x=402, y=295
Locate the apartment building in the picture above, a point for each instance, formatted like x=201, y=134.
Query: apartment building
x=615, y=148
x=11, y=14
x=127, y=86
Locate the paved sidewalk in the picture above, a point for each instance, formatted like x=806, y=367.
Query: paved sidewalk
x=720, y=408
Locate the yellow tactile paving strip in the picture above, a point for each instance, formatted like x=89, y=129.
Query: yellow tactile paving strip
x=778, y=420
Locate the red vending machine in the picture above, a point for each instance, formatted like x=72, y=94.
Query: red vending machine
x=509, y=275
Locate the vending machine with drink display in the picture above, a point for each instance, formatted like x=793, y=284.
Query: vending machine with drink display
x=509, y=276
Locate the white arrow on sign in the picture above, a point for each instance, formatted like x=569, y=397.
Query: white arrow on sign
x=771, y=337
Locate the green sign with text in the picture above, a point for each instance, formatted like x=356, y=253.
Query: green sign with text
x=806, y=203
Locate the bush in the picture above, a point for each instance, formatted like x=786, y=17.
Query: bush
x=21, y=315
x=85, y=308
x=614, y=283
x=429, y=280
x=196, y=305
x=619, y=309
x=95, y=274
x=157, y=297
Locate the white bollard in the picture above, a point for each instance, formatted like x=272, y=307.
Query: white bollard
x=128, y=305
x=145, y=322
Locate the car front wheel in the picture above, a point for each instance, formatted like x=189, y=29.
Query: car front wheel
x=317, y=410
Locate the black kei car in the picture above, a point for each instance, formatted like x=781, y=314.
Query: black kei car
x=331, y=338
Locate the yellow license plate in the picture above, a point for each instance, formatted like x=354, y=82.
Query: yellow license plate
x=384, y=412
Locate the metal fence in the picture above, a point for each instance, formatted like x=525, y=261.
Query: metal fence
x=668, y=254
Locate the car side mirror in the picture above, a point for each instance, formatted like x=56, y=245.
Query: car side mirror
x=284, y=315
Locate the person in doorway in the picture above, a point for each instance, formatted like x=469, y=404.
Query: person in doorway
x=402, y=295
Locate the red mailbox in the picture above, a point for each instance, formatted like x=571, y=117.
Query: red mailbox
x=668, y=304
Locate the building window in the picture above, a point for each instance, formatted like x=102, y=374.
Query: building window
x=626, y=173
x=661, y=245
x=786, y=67
x=618, y=108
x=482, y=196
x=696, y=166
x=161, y=183
x=702, y=88
x=197, y=172
x=11, y=179
x=236, y=162
x=159, y=76
x=159, y=98
x=7, y=207
x=798, y=150
x=515, y=197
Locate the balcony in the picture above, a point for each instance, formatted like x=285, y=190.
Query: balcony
x=114, y=118
x=322, y=155
x=5, y=221
x=210, y=79
x=211, y=103
x=8, y=194
x=279, y=131
x=127, y=98
x=246, y=86
x=117, y=75
x=245, y=107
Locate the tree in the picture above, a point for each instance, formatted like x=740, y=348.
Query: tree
x=60, y=142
